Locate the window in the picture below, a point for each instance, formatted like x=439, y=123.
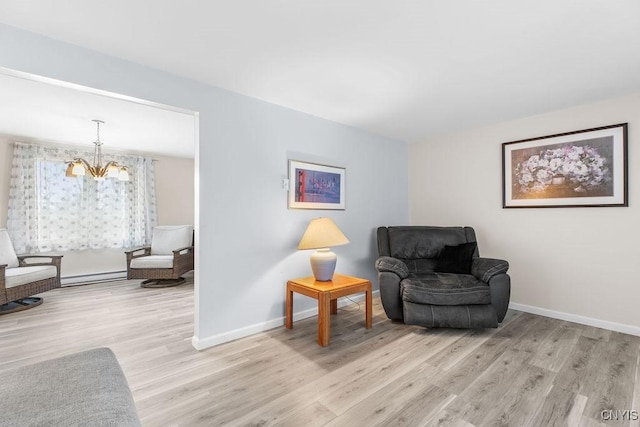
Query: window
x=51, y=212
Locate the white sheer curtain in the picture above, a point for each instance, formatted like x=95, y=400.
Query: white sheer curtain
x=51, y=212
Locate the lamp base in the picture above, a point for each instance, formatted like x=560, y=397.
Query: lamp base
x=323, y=264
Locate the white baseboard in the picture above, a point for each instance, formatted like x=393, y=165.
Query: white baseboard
x=94, y=277
x=206, y=342
x=201, y=344
x=583, y=320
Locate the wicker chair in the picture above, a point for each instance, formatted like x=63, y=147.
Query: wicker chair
x=164, y=262
x=21, y=277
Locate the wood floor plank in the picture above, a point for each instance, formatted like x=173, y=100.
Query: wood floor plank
x=560, y=408
x=611, y=391
x=636, y=390
x=582, y=365
x=382, y=406
x=553, y=351
x=475, y=364
x=311, y=415
x=329, y=383
x=531, y=370
x=522, y=402
x=465, y=344
x=446, y=418
x=481, y=395
x=350, y=393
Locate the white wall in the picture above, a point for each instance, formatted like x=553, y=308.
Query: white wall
x=575, y=261
x=246, y=236
x=174, y=190
x=175, y=205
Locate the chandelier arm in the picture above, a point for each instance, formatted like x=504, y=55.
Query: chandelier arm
x=104, y=170
x=92, y=170
x=110, y=163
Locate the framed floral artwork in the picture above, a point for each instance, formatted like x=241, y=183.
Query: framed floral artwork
x=314, y=186
x=584, y=168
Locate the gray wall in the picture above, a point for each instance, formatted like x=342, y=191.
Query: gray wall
x=247, y=237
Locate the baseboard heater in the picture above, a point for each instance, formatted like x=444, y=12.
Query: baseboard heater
x=82, y=279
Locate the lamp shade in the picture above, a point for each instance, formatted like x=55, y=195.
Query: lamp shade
x=322, y=233
x=78, y=169
x=123, y=175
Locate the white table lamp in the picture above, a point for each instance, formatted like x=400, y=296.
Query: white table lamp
x=321, y=234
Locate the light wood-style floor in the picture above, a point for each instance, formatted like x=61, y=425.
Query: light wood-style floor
x=532, y=371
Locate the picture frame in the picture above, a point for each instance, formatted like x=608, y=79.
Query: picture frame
x=585, y=168
x=316, y=186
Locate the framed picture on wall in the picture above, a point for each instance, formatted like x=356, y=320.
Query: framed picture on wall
x=314, y=186
x=585, y=168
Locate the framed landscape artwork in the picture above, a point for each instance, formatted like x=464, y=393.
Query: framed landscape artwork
x=313, y=186
x=573, y=169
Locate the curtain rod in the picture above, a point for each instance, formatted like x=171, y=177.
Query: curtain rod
x=81, y=147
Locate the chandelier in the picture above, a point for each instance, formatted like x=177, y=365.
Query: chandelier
x=80, y=167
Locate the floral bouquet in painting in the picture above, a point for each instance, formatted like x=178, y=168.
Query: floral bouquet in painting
x=572, y=170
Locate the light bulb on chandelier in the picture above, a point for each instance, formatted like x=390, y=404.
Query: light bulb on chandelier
x=80, y=167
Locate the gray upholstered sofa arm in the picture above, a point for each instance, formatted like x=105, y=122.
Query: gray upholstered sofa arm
x=485, y=268
x=392, y=265
x=494, y=272
x=500, y=288
x=390, y=272
x=389, y=284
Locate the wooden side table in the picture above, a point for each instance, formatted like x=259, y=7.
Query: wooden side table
x=327, y=294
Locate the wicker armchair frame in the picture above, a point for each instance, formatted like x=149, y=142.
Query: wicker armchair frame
x=183, y=262
x=20, y=297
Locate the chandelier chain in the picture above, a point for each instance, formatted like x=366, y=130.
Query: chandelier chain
x=97, y=152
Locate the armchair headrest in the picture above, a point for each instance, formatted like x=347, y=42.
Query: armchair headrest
x=422, y=242
x=7, y=253
x=167, y=238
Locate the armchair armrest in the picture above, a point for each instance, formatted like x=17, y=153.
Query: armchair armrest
x=485, y=268
x=2, y=283
x=132, y=253
x=55, y=260
x=390, y=272
x=389, y=285
x=147, y=249
x=494, y=272
x=182, y=251
x=392, y=265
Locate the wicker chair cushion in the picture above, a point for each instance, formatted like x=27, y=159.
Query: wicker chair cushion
x=167, y=238
x=7, y=253
x=153, y=261
x=23, y=275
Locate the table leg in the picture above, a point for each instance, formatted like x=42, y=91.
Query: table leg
x=289, y=309
x=324, y=318
x=334, y=306
x=368, y=309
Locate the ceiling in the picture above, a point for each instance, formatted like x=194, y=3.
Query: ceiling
x=48, y=112
x=407, y=69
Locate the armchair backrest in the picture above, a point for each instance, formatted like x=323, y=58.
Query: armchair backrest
x=7, y=253
x=420, y=246
x=167, y=238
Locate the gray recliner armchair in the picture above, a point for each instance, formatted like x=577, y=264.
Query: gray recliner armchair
x=434, y=277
